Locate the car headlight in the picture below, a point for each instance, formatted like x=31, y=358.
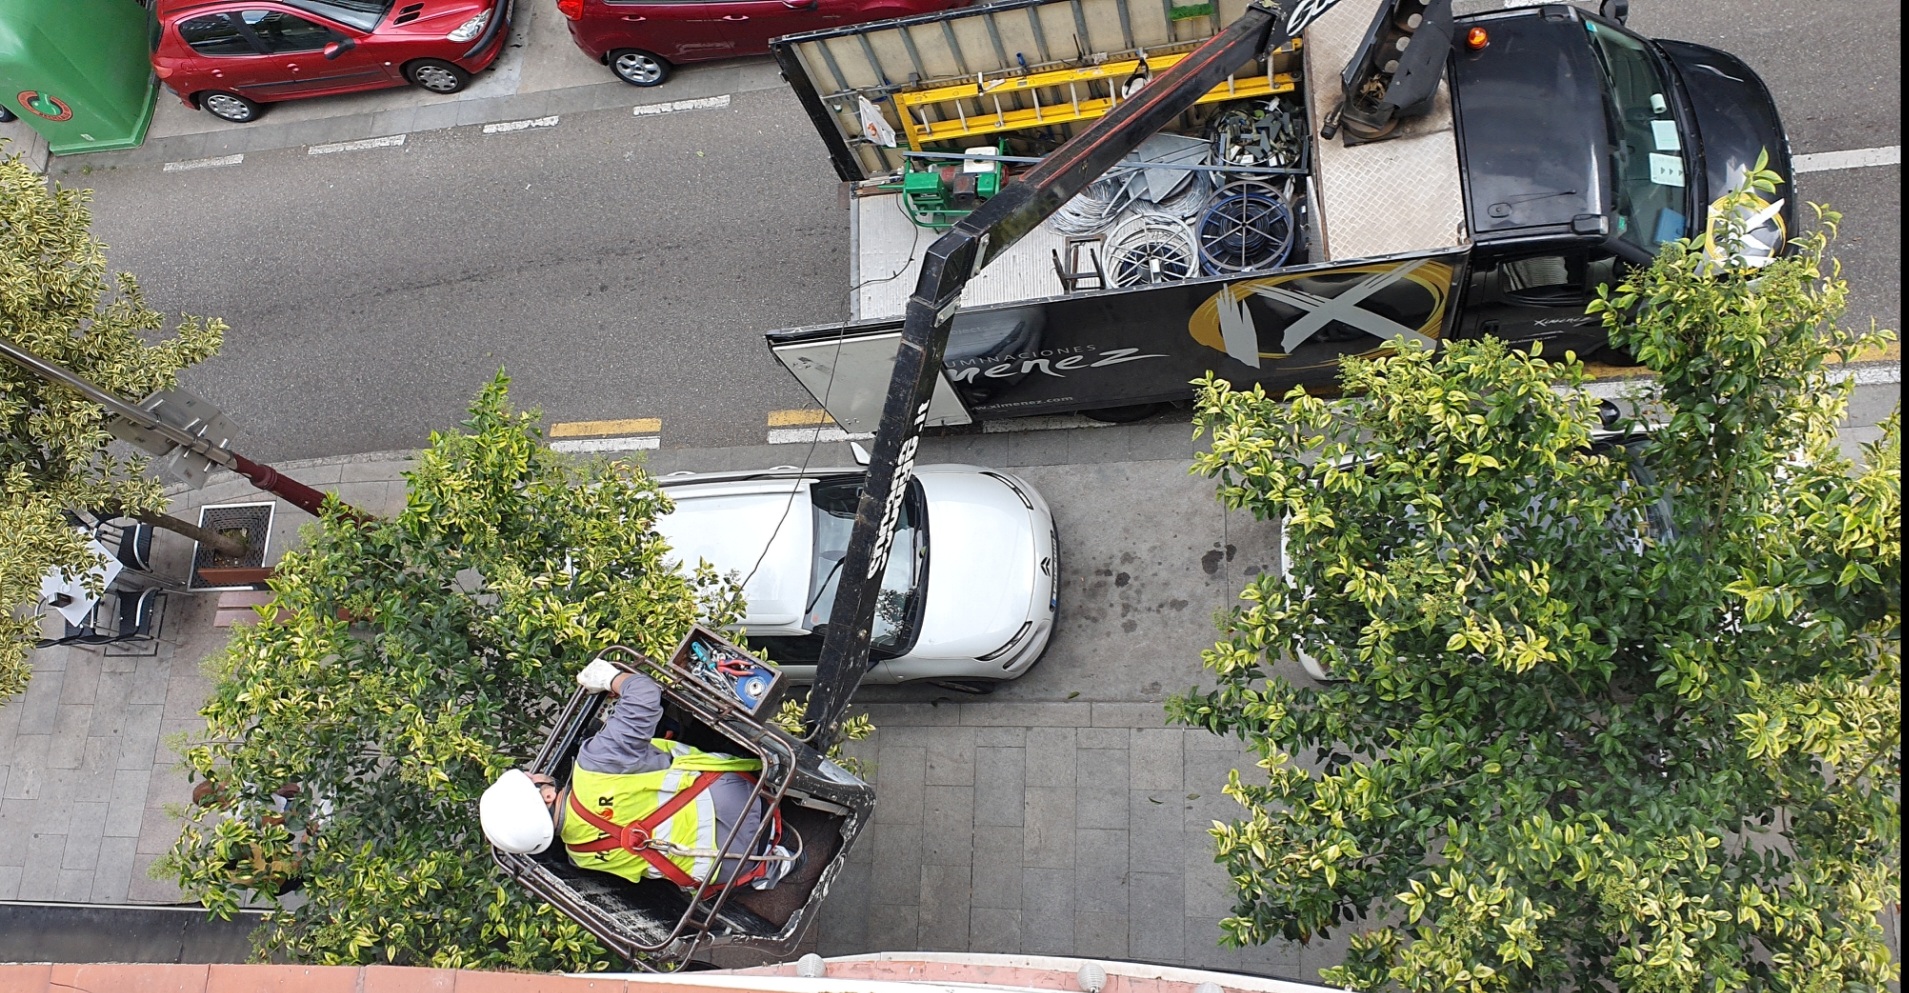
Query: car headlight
x=470, y=29
x=1013, y=643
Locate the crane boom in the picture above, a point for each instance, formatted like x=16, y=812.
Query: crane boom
x=946, y=268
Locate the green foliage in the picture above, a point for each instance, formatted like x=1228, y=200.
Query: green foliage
x=855, y=727
x=57, y=301
x=413, y=661
x=1570, y=751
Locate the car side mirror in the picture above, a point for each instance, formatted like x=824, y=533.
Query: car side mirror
x=339, y=47
x=1616, y=10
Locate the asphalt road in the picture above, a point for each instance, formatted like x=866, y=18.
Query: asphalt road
x=622, y=266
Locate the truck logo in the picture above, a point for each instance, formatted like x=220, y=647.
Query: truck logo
x=45, y=105
x=1305, y=12
x=891, y=510
x=1384, y=300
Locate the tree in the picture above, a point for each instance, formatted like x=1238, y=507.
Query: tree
x=410, y=662
x=57, y=302
x=1571, y=750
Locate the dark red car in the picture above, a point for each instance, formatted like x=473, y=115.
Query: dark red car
x=229, y=56
x=641, y=39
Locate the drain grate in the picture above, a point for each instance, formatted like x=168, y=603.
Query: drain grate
x=254, y=519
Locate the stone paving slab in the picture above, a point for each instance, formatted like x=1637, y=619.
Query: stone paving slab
x=1059, y=815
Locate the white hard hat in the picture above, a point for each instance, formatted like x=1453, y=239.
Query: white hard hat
x=514, y=816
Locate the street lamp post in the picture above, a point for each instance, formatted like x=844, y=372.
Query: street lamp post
x=262, y=476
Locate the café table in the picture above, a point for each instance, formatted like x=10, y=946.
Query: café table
x=79, y=602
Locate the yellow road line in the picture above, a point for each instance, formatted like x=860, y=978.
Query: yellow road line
x=597, y=429
x=798, y=418
x=1598, y=370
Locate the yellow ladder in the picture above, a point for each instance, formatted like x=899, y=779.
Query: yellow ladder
x=1070, y=97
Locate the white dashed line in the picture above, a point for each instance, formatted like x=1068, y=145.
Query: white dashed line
x=506, y=127
x=211, y=163
x=1855, y=158
x=1877, y=374
x=802, y=436
x=700, y=103
x=1864, y=374
x=590, y=445
x=388, y=141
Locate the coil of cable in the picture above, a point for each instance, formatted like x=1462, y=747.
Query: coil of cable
x=1248, y=227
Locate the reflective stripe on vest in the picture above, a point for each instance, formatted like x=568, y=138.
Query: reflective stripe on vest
x=626, y=798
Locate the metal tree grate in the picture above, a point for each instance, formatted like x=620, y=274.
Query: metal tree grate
x=255, y=519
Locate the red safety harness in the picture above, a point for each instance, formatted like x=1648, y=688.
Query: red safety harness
x=637, y=836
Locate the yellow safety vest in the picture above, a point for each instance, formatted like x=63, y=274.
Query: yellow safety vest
x=689, y=835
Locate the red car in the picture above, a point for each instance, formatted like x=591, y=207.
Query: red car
x=229, y=56
x=641, y=39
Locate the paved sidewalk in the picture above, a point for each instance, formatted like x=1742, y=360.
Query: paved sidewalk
x=1058, y=815
x=89, y=775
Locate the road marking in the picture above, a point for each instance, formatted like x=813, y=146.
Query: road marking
x=1863, y=373
x=580, y=446
x=595, y=429
x=388, y=141
x=798, y=418
x=506, y=127
x=1876, y=375
x=801, y=427
x=700, y=103
x=213, y=162
x=1042, y=422
x=1854, y=158
x=803, y=436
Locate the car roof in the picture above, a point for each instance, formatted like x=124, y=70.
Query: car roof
x=759, y=528
x=167, y=8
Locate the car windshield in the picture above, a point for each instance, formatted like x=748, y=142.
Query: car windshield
x=361, y=14
x=1650, y=154
x=898, y=609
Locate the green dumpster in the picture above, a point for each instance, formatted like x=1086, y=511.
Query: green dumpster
x=78, y=71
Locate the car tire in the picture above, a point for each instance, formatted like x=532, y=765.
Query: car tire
x=6, y=115
x=436, y=75
x=638, y=67
x=229, y=107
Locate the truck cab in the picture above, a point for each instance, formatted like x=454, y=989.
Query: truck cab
x=1583, y=146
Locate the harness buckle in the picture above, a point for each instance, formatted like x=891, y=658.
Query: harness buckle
x=635, y=837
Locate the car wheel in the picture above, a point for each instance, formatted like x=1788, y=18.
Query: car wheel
x=436, y=76
x=638, y=68
x=229, y=107
x=5, y=115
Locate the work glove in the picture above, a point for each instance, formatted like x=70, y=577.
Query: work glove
x=598, y=675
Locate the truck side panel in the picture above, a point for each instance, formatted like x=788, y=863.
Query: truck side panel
x=1114, y=348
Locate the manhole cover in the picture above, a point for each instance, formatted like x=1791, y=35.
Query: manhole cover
x=255, y=521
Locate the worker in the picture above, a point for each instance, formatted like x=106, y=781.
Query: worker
x=642, y=807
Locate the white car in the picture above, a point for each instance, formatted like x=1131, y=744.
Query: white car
x=968, y=596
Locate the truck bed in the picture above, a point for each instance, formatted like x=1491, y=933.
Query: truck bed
x=887, y=260
x=1387, y=198
x=1399, y=195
